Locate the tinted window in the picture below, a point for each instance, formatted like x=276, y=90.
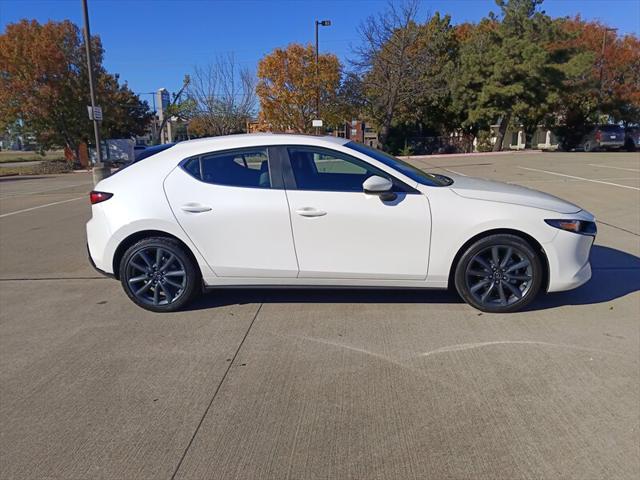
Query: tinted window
x=328, y=170
x=240, y=168
x=405, y=168
x=192, y=167
x=611, y=128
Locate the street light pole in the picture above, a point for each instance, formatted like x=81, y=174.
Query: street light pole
x=100, y=170
x=600, y=84
x=155, y=123
x=324, y=23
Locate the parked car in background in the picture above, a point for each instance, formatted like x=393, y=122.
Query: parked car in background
x=603, y=137
x=304, y=211
x=148, y=151
x=137, y=150
x=632, y=139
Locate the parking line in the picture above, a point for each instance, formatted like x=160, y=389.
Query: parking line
x=617, y=168
x=581, y=178
x=453, y=171
x=22, y=194
x=41, y=206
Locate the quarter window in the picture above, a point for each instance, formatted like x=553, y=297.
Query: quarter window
x=328, y=170
x=240, y=168
x=192, y=167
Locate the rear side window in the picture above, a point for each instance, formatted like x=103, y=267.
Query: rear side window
x=239, y=168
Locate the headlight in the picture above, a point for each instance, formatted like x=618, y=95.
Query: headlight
x=576, y=226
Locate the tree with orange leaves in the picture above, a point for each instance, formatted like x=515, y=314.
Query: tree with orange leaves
x=287, y=87
x=603, y=81
x=45, y=90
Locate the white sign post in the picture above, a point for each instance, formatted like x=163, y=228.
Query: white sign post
x=95, y=113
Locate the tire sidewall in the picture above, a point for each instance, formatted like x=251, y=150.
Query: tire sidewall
x=193, y=276
x=506, y=240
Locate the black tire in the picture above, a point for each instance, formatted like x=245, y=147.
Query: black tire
x=588, y=147
x=473, y=280
x=160, y=293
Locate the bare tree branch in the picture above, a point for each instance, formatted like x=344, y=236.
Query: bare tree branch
x=223, y=96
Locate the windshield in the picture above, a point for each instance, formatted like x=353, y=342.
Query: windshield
x=403, y=167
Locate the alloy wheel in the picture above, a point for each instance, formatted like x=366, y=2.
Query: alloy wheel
x=499, y=276
x=156, y=276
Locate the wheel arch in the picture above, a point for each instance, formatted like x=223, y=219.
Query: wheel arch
x=141, y=235
x=524, y=236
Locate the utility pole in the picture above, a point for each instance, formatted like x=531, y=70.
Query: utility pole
x=600, y=84
x=324, y=23
x=100, y=170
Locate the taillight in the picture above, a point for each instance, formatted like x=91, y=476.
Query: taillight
x=97, y=197
x=598, y=135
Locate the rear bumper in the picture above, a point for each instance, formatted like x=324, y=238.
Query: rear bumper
x=93, y=264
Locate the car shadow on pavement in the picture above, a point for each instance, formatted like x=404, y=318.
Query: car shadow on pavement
x=234, y=296
x=615, y=274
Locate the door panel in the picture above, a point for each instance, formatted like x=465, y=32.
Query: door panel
x=241, y=232
x=355, y=235
x=341, y=232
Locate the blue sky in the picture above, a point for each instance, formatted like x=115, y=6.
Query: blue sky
x=153, y=43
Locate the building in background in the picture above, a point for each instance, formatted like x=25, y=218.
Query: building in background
x=176, y=128
x=359, y=131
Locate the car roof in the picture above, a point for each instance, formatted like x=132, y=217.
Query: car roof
x=162, y=162
x=202, y=145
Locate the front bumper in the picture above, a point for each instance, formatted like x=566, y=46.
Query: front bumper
x=568, y=256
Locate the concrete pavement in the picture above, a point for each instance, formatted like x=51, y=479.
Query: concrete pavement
x=319, y=384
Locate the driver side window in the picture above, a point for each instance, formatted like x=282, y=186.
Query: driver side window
x=327, y=170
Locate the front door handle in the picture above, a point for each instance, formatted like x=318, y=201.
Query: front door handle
x=195, y=208
x=310, y=212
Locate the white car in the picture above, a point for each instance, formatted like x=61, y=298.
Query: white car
x=292, y=210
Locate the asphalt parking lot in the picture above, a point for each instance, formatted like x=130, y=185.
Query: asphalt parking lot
x=319, y=384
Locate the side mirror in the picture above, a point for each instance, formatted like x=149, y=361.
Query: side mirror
x=380, y=186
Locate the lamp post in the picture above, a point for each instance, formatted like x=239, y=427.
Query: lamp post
x=604, y=43
x=155, y=125
x=100, y=170
x=323, y=23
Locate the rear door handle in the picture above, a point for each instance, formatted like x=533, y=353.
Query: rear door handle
x=310, y=212
x=195, y=208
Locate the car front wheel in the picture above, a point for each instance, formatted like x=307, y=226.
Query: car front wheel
x=158, y=275
x=499, y=274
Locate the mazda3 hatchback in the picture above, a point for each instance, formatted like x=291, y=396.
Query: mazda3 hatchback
x=292, y=210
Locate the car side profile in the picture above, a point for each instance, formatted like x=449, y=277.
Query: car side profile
x=304, y=211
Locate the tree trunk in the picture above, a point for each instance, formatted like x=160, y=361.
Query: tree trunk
x=502, y=130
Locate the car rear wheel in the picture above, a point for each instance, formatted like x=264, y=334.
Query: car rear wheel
x=499, y=274
x=588, y=146
x=159, y=275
